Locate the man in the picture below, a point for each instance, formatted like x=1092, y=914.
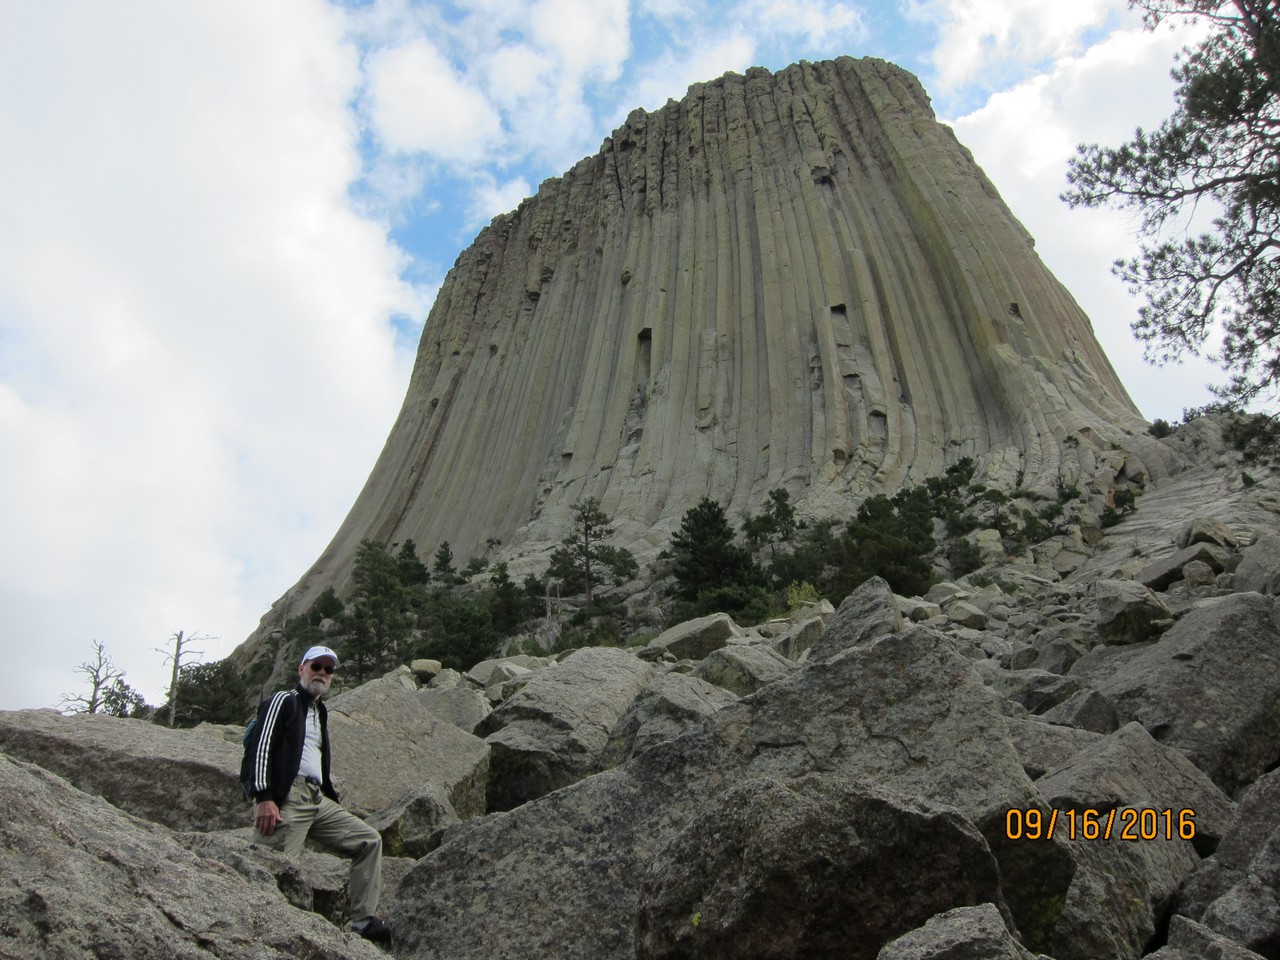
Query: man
x=294, y=796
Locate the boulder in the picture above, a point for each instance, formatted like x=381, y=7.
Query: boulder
x=743, y=668
x=481, y=673
x=814, y=868
x=385, y=744
x=409, y=825
x=555, y=730
x=1043, y=746
x=693, y=639
x=965, y=933
x=178, y=778
x=866, y=615
x=557, y=876
x=1159, y=574
x=1036, y=690
x=1236, y=892
x=793, y=643
x=426, y=670
x=1259, y=568
x=1209, y=687
x=1126, y=880
x=82, y=879
x=965, y=614
x=1206, y=530
x=1189, y=940
x=667, y=707
x=916, y=610
x=1128, y=612
x=313, y=881
x=1085, y=710
x=463, y=706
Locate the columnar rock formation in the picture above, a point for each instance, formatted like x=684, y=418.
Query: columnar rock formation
x=797, y=279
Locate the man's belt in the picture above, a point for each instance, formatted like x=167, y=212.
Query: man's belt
x=314, y=781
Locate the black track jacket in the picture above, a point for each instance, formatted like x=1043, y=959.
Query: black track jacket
x=277, y=754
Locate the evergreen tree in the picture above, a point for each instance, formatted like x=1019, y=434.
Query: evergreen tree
x=378, y=622
x=413, y=572
x=1220, y=149
x=705, y=558
x=442, y=566
x=577, y=564
x=209, y=693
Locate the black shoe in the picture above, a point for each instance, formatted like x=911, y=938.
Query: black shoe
x=375, y=930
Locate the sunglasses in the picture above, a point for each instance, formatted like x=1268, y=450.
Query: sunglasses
x=323, y=667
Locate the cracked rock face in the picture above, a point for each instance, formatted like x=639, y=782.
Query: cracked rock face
x=795, y=280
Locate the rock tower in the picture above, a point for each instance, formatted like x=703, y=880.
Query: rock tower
x=795, y=279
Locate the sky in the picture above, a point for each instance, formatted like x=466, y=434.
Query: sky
x=222, y=226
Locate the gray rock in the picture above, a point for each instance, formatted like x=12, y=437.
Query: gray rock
x=916, y=610
x=819, y=867
x=462, y=706
x=800, y=637
x=866, y=615
x=1189, y=940
x=1237, y=890
x=1259, y=568
x=906, y=712
x=1210, y=687
x=555, y=731
x=1043, y=746
x=1036, y=690
x=178, y=778
x=1128, y=612
x=1159, y=574
x=82, y=879
x=666, y=708
x=743, y=668
x=1086, y=710
x=965, y=933
x=482, y=672
x=693, y=639
x=385, y=744
x=965, y=614
x=410, y=824
x=1126, y=881
x=312, y=881
x=1206, y=530
x=1199, y=574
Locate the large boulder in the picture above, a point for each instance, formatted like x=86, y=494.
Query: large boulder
x=666, y=708
x=1189, y=940
x=1236, y=892
x=1128, y=612
x=385, y=744
x=557, y=876
x=743, y=668
x=1259, y=568
x=693, y=639
x=965, y=933
x=1145, y=798
x=1210, y=687
x=84, y=880
x=1160, y=574
x=864, y=616
x=463, y=705
x=555, y=730
x=819, y=868
x=181, y=779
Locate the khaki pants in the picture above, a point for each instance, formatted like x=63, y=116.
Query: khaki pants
x=309, y=813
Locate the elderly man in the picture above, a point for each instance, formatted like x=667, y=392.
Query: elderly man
x=294, y=797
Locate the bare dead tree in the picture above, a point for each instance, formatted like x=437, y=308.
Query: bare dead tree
x=101, y=674
x=181, y=656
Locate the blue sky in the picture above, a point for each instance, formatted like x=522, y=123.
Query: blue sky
x=222, y=226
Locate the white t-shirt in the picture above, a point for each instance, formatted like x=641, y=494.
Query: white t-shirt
x=310, y=766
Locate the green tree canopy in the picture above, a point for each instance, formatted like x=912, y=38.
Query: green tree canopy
x=1219, y=149
x=577, y=564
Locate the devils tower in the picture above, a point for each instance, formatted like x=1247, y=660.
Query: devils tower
x=795, y=279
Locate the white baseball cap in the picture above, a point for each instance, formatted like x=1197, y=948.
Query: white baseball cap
x=315, y=652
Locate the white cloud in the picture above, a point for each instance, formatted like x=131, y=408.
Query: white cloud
x=1023, y=139
x=818, y=25
x=989, y=41
x=419, y=103
x=490, y=198
x=198, y=367
x=670, y=75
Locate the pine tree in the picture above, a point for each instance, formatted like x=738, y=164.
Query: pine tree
x=1219, y=150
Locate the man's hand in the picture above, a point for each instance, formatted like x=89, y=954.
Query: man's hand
x=267, y=817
